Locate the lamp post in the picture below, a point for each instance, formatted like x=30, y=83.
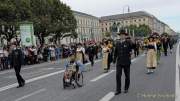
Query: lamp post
x=130, y=19
x=124, y=13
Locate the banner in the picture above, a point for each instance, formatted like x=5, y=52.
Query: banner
x=27, y=34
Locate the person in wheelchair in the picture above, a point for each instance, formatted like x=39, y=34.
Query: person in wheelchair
x=73, y=71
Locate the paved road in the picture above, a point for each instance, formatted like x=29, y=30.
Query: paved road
x=44, y=83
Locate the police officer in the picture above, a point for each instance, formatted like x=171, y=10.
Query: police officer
x=16, y=63
x=122, y=58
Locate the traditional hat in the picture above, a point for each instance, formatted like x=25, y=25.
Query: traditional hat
x=150, y=37
x=79, y=44
x=123, y=32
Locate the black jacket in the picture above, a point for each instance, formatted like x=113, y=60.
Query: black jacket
x=122, y=54
x=16, y=57
x=91, y=51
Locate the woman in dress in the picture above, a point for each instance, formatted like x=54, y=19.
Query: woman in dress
x=105, y=52
x=151, y=55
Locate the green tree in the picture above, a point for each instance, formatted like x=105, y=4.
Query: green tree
x=49, y=17
x=140, y=31
x=63, y=21
x=41, y=18
x=11, y=13
x=107, y=34
x=143, y=31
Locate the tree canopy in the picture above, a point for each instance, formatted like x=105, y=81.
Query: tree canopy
x=49, y=17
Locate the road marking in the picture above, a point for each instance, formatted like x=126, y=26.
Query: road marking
x=31, y=80
x=31, y=94
x=31, y=74
x=177, y=85
x=35, y=66
x=110, y=95
x=107, y=97
x=25, y=68
x=35, y=79
x=133, y=59
x=101, y=76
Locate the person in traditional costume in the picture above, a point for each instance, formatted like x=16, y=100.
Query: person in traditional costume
x=159, y=45
x=151, y=55
x=165, y=45
x=122, y=58
x=91, y=54
x=105, y=52
x=110, y=55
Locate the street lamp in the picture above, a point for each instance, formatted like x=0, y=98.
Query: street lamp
x=127, y=6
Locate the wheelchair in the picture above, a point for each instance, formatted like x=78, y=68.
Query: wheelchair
x=72, y=77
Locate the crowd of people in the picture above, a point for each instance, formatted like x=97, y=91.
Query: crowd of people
x=155, y=45
x=118, y=51
x=36, y=54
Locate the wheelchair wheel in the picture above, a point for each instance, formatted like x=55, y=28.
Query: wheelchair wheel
x=64, y=83
x=79, y=79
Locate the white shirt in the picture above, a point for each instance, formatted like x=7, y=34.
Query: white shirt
x=5, y=53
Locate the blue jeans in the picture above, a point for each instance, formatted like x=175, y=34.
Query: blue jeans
x=81, y=66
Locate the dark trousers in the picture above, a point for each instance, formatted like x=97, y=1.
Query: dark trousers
x=45, y=58
x=18, y=76
x=119, y=69
x=110, y=59
x=5, y=63
x=91, y=59
x=165, y=51
x=136, y=52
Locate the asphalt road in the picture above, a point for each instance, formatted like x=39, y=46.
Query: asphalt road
x=44, y=83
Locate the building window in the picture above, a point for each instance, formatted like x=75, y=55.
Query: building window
x=106, y=29
x=139, y=19
x=134, y=20
x=144, y=19
x=106, y=24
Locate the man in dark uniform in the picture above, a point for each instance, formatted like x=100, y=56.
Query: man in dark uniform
x=91, y=53
x=165, y=45
x=16, y=63
x=122, y=58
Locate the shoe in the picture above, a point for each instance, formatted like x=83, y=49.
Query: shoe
x=23, y=83
x=117, y=92
x=79, y=85
x=126, y=91
x=152, y=71
x=148, y=73
x=19, y=86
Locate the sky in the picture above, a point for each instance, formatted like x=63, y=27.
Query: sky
x=167, y=11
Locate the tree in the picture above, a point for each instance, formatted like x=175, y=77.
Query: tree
x=41, y=18
x=52, y=17
x=140, y=31
x=143, y=31
x=164, y=34
x=63, y=21
x=49, y=17
x=11, y=13
x=107, y=34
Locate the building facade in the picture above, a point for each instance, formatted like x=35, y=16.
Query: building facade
x=88, y=29
x=134, y=18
